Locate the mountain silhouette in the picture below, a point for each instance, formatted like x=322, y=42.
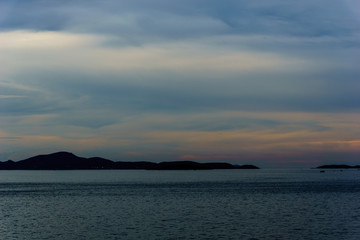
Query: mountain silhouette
x=69, y=161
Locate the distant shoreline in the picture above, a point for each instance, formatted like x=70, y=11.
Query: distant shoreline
x=337, y=166
x=69, y=161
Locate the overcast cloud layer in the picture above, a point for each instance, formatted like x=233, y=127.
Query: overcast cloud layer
x=270, y=83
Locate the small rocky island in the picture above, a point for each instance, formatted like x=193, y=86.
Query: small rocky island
x=69, y=161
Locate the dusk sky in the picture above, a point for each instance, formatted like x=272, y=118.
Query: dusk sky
x=273, y=83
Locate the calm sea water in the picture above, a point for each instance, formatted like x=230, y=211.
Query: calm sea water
x=215, y=204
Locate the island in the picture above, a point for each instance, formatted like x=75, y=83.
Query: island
x=69, y=161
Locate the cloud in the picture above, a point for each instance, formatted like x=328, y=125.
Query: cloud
x=157, y=137
x=29, y=50
x=10, y=138
x=10, y=96
x=166, y=80
x=140, y=21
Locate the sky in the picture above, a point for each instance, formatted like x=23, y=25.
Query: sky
x=272, y=83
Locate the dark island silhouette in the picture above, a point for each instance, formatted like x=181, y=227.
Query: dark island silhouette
x=69, y=161
x=338, y=166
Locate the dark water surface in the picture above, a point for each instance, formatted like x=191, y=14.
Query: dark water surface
x=214, y=204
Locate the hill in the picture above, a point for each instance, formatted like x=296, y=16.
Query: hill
x=69, y=161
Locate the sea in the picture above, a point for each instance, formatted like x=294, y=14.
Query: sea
x=259, y=204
